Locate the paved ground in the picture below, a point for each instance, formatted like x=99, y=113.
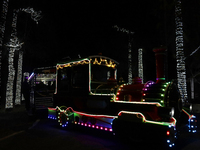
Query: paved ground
x=15, y=120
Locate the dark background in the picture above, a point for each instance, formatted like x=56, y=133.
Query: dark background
x=72, y=27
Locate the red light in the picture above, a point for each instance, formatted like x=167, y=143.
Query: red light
x=117, y=93
x=117, y=98
x=168, y=133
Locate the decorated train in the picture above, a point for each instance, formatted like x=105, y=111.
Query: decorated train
x=88, y=94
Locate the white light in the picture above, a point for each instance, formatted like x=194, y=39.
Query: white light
x=181, y=70
x=13, y=45
x=140, y=63
x=194, y=131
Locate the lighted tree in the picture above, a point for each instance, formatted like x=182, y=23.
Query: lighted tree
x=130, y=73
x=13, y=45
x=180, y=58
x=140, y=63
x=2, y=30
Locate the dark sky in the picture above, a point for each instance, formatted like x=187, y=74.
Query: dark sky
x=73, y=27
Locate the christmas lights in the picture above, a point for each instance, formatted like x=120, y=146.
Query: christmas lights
x=181, y=70
x=13, y=45
x=19, y=80
x=104, y=62
x=2, y=30
x=140, y=63
x=16, y=45
x=139, y=114
x=74, y=63
x=130, y=74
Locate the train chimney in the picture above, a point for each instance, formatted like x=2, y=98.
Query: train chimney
x=160, y=64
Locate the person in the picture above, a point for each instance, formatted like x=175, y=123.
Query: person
x=26, y=93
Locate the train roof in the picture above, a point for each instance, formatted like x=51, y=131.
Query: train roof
x=94, y=59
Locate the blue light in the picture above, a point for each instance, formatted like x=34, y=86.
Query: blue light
x=168, y=141
x=194, y=131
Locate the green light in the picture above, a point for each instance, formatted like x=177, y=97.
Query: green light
x=162, y=95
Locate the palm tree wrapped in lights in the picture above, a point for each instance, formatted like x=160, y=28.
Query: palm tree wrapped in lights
x=13, y=45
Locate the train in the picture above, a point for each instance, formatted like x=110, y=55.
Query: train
x=88, y=94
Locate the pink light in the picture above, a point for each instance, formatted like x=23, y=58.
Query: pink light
x=110, y=130
x=101, y=128
x=97, y=127
x=89, y=125
x=106, y=129
x=82, y=124
x=52, y=108
x=86, y=124
x=92, y=126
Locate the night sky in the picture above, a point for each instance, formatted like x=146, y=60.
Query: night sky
x=72, y=28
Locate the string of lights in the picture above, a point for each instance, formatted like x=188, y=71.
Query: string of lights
x=140, y=63
x=13, y=45
x=2, y=30
x=130, y=74
x=181, y=70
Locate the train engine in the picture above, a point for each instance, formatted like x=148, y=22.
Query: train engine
x=88, y=94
